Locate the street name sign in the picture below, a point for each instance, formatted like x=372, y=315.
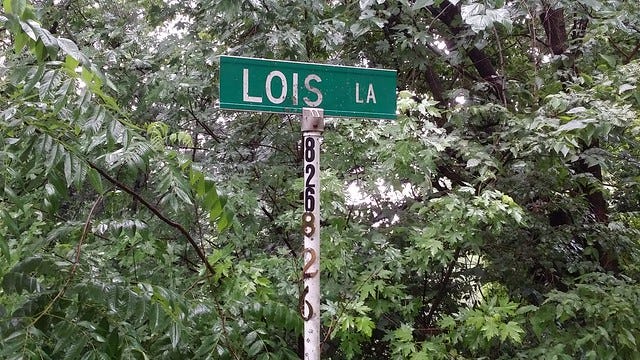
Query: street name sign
x=252, y=84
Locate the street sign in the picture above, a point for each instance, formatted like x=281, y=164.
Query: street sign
x=286, y=87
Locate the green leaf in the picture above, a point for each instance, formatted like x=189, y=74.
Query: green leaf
x=224, y=222
x=34, y=79
x=473, y=163
x=211, y=200
x=70, y=63
x=625, y=87
x=76, y=348
x=40, y=51
x=365, y=325
x=20, y=40
x=15, y=7
x=53, y=155
x=220, y=254
x=512, y=331
x=611, y=60
x=50, y=81
x=574, y=125
x=366, y=290
x=96, y=180
x=594, y=4
x=526, y=309
x=255, y=348
x=48, y=40
x=490, y=328
x=61, y=96
x=404, y=333
x=68, y=171
x=174, y=334
x=28, y=30
x=198, y=183
x=4, y=247
x=419, y=4
x=447, y=322
x=250, y=338
x=70, y=48
x=480, y=17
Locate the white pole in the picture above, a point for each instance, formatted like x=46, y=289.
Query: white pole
x=312, y=127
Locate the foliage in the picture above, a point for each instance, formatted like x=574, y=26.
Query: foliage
x=496, y=218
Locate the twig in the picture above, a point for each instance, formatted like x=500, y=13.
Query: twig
x=502, y=68
x=206, y=127
x=285, y=238
x=443, y=288
x=76, y=261
x=633, y=53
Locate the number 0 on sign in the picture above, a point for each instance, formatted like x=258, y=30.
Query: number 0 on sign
x=287, y=87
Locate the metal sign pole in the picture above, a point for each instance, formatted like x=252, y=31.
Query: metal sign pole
x=312, y=128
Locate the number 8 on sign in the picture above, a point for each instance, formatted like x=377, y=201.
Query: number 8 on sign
x=308, y=224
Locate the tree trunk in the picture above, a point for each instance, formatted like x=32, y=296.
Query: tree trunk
x=554, y=27
x=449, y=14
x=553, y=22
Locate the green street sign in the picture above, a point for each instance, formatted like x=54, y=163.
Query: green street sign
x=287, y=87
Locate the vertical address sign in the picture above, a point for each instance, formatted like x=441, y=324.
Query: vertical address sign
x=312, y=128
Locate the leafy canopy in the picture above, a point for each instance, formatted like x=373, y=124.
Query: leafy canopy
x=497, y=217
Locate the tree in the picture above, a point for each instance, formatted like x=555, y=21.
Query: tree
x=497, y=217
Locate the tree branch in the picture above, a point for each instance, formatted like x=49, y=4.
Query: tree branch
x=632, y=54
x=279, y=228
x=444, y=284
x=447, y=13
x=157, y=213
x=554, y=27
x=206, y=127
x=76, y=261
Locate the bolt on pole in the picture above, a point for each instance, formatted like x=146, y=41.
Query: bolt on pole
x=312, y=128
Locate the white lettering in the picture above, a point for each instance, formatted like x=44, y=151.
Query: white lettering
x=370, y=94
x=307, y=84
x=283, y=92
x=245, y=89
x=358, y=100
x=294, y=85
